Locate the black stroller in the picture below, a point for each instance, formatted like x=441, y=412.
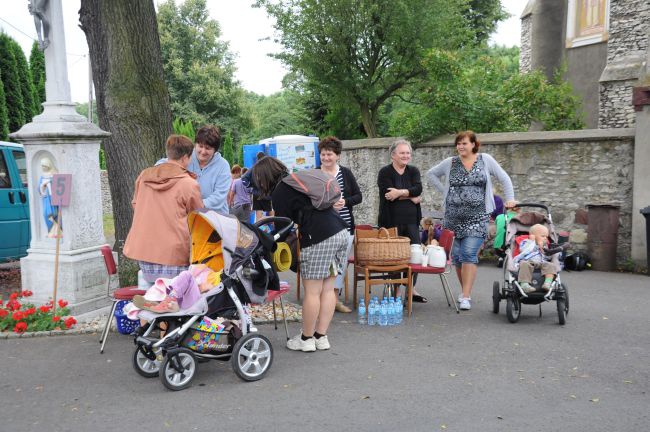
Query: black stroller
x=510, y=290
x=218, y=326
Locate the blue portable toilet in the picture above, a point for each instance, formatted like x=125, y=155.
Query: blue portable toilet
x=295, y=151
x=250, y=153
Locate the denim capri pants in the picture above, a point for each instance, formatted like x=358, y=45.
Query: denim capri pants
x=465, y=250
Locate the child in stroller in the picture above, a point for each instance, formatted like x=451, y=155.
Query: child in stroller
x=532, y=256
x=218, y=325
x=520, y=287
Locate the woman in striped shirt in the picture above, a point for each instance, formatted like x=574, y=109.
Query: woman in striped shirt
x=330, y=152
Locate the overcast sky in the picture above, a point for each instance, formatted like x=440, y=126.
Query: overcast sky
x=244, y=27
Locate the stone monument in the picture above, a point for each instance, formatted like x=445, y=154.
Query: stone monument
x=61, y=141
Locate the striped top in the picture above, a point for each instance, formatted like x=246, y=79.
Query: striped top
x=344, y=212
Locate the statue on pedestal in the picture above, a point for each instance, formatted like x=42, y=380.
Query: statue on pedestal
x=37, y=8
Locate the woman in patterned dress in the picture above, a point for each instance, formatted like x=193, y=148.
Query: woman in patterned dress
x=468, y=200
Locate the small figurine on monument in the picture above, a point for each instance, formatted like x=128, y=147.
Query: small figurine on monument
x=50, y=212
x=37, y=8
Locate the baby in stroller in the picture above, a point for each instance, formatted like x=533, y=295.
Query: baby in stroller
x=532, y=265
x=238, y=259
x=532, y=256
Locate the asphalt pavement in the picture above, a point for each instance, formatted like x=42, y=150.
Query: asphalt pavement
x=438, y=371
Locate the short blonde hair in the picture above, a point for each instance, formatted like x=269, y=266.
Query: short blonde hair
x=538, y=229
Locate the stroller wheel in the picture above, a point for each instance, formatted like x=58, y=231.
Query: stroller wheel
x=513, y=309
x=561, y=311
x=252, y=357
x=496, y=297
x=178, y=369
x=566, y=299
x=144, y=365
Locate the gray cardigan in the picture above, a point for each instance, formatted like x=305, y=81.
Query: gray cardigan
x=492, y=167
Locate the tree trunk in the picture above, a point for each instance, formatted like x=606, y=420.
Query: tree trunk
x=368, y=117
x=132, y=98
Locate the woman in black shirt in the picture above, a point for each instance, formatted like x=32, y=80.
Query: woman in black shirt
x=399, y=196
x=323, y=247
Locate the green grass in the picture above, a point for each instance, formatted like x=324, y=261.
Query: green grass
x=109, y=226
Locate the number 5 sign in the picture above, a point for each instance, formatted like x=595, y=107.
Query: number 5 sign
x=61, y=187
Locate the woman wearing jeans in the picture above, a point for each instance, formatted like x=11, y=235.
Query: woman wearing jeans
x=468, y=201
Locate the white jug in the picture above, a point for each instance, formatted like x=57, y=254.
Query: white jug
x=416, y=254
x=437, y=256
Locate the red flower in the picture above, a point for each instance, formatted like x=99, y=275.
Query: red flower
x=44, y=309
x=62, y=303
x=17, y=316
x=69, y=322
x=56, y=318
x=13, y=305
x=1, y=302
x=13, y=296
x=3, y=313
x=27, y=293
x=20, y=327
x=29, y=311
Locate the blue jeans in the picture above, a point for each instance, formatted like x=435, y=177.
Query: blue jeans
x=465, y=250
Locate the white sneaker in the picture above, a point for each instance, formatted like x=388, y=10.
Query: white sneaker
x=297, y=344
x=465, y=304
x=460, y=298
x=322, y=343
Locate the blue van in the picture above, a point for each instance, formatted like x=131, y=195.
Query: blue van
x=14, y=202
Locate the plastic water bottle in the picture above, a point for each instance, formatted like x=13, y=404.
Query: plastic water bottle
x=383, y=314
x=392, y=319
x=372, y=313
x=400, y=309
x=361, y=314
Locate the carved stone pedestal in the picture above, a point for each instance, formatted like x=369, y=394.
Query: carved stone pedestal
x=71, y=145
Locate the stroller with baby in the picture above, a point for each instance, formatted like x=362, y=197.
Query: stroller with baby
x=517, y=227
x=218, y=326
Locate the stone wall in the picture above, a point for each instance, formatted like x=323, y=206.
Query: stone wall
x=616, y=110
x=525, y=50
x=626, y=51
x=628, y=28
x=565, y=170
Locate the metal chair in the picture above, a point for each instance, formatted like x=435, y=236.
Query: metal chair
x=119, y=294
x=271, y=297
x=446, y=241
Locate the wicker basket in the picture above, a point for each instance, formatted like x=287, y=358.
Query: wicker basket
x=383, y=249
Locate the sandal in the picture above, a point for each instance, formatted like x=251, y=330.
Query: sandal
x=168, y=305
x=417, y=298
x=141, y=303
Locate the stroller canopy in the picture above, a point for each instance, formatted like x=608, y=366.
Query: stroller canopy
x=219, y=241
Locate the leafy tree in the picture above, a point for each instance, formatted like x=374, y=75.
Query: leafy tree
x=484, y=16
x=4, y=119
x=483, y=92
x=82, y=109
x=363, y=52
x=11, y=81
x=132, y=99
x=199, y=68
x=184, y=128
x=25, y=76
x=228, y=149
x=37, y=68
